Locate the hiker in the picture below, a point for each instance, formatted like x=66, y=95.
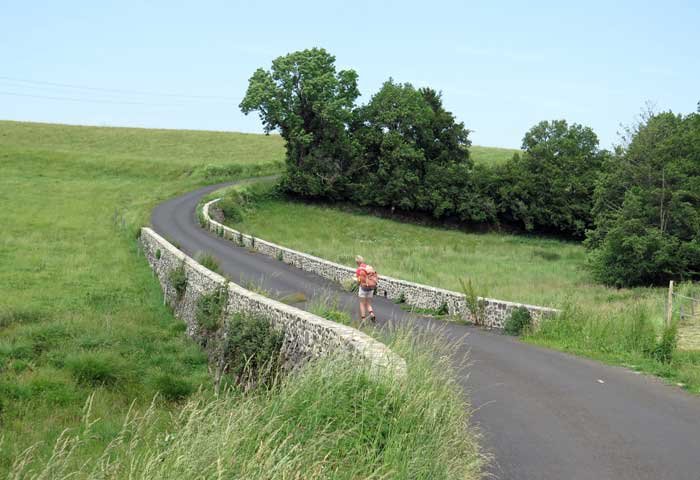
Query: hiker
x=367, y=279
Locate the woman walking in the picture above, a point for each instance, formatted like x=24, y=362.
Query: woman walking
x=367, y=278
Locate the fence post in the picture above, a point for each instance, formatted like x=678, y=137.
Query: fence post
x=669, y=304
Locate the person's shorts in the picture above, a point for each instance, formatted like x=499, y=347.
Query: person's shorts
x=362, y=293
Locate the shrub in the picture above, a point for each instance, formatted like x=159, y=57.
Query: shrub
x=158, y=254
x=231, y=209
x=207, y=260
x=280, y=255
x=518, y=320
x=252, y=349
x=443, y=309
x=210, y=308
x=178, y=279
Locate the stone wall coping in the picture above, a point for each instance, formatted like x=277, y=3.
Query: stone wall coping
x=374, y=351
x=408, y=283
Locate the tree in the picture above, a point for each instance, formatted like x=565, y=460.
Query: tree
x=311, y=104
x=415, y=155
x=549, y=187
x=647, y=205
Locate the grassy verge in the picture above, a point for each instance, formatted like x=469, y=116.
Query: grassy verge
x=334, y=419
x=491, y=155
x=80, y=312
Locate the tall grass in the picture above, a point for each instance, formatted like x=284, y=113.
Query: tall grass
x=336, y=418
x=632, y=338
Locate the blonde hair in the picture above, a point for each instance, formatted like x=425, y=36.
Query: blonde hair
x=359, y=259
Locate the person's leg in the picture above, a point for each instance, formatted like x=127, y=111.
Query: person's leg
x=362, y=308
x=370, y=310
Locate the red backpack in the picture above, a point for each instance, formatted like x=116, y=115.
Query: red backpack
x=370, y=280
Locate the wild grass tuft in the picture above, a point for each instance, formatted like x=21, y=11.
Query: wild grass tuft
x=208, y=260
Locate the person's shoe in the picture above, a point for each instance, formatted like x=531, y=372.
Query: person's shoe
x=372, y=317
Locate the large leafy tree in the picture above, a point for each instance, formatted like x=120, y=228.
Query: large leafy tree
x=549, y=187
x=647, y=205
x=311, y=105
x=414, y=154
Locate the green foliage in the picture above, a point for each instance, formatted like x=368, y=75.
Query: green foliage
x=210, y=308
x=476, y=307
x=311, y=104
x=667, y=344
x=158, y=254
x=443, y=309
x=252, y=349
x=208, y=260
x=280, y=256
x=402, y=298
x=177, y=277
x=96, y=369
x=549, y=188
x=415, y=154
x=328, y=308
x=172, y=388
x=518, y=320
x=647, y=206
x=231, y=209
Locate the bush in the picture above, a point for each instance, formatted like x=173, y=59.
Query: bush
x=252, y=349
x=210, y=308
x=177, y=277
x=231, y=209
x=518, y=320
x=208, y=260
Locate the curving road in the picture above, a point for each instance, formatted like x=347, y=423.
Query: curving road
x=543, y=414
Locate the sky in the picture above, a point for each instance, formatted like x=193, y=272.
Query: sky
x=502, y=66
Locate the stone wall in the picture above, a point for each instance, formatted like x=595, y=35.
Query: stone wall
x=305, y=335
x=494, y=313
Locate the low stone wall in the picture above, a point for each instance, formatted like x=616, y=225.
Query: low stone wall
x=305, y=335
x=493, y=313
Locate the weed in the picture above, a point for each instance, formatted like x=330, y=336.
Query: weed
x=172, y=388
x=328, y=308
x=663, y=352
x=158, y=254
x=96, y=369
x=207, y=260
x=210, y=308
x=280, y=256
x=401, y=299
x=476, y=307
x=177, y=277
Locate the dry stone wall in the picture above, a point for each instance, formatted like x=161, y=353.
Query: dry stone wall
x=492, y=313
x=305, y=335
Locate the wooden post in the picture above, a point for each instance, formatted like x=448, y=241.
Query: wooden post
x=669, y=305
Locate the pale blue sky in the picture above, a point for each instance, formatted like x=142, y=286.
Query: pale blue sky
x=502, y=66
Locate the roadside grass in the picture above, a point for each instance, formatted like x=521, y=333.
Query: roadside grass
x=335, y=418
x=80, y=311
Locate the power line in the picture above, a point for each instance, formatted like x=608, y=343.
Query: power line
x=119, y=91
x=87, y=100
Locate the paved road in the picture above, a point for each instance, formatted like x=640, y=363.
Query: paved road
x=543, y=414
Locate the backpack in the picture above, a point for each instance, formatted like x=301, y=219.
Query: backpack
x=371, y=278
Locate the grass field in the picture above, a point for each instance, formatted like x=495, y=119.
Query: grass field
x=81, y=318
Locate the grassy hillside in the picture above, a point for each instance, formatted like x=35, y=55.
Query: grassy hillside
x=79, y=310
x=491, y=155
x=82, y=322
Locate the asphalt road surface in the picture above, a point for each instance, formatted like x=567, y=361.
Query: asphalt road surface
x=543, y=414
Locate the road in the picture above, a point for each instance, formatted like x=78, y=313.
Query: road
x=543, y=414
